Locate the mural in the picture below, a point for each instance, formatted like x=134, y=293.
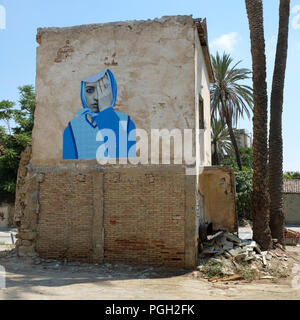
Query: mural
x=99, y=130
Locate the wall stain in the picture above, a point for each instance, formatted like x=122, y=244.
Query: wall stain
x=64, y=53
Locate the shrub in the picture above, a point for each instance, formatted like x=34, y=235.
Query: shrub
x=243, y=193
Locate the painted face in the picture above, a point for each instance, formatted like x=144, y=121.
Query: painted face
x=98, y=95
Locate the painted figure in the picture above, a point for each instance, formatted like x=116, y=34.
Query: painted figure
x=86, y=136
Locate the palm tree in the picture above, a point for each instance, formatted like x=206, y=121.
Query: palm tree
x=275, y=139
x=230, y=99
x=260, y=197
x=220, y=140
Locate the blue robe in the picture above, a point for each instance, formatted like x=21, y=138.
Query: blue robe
x=81, y=138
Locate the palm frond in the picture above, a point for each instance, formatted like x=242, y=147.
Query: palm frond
x=230, y=97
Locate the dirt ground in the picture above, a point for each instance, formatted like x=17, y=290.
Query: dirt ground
x=70, y=280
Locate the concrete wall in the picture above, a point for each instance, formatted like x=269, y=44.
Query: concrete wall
x=153, y=62
x=292, y=208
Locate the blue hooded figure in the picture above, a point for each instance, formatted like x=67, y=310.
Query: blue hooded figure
x=99, y=131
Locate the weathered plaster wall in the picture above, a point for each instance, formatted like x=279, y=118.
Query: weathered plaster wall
x=202, y=88
x=203, y=139
x=153, y=62
x=292, y=208
x=216, y=184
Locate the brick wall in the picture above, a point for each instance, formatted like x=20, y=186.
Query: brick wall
x=144, y=217
x=141, y=212
x=66, y=216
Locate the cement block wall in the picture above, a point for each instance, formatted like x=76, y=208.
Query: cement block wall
x=291, y=203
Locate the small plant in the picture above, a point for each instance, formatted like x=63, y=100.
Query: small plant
x=213, y=269
x=247, y=273
x=277, y=272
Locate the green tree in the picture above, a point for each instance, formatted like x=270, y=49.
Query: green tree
x=6, y=112
x=246, y=160
x=220, y=140
x=291, y=175
x=243, y=180
x=12, y=144
x=9, y=162
x=230, y=99
x=24, y=117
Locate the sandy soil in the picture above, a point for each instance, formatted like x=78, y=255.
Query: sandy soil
x=56, y=280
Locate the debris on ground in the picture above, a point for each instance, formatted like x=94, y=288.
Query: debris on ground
x=292, y=238
x=226, y=257
x=8, y=251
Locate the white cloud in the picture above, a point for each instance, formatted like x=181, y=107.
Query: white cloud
x=225, y=42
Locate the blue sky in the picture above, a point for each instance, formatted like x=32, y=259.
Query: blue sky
x=227, y=29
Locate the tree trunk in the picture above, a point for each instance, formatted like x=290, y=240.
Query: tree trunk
x=234, y=143
x=277, y=220
x=215, y=156
x=228, y=120
x=260, y=197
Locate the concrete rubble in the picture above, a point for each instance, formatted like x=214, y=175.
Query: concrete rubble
x=230, y=245
x=235, y=257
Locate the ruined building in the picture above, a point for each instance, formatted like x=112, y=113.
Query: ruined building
x=152, y=74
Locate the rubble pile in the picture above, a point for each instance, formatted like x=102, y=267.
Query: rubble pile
x=230, y=245
x=235, y=255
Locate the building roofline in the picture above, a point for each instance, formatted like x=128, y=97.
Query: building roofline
x=183, y=19
x=291, y=186
x=203, y=37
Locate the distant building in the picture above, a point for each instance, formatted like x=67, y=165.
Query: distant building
x=243, y=138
